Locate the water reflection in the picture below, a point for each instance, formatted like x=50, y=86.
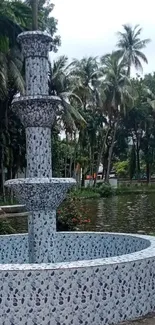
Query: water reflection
x=129, y=213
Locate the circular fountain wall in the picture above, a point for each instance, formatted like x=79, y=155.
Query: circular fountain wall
x=72, y=278
x=94, y=288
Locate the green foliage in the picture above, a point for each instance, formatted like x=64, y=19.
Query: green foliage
x=87, y=193
x=132, y=162
x=101, y=107
x=70, y=216
x=6, y=228
x=122, y=168
x=105, y=190
x=130, y=46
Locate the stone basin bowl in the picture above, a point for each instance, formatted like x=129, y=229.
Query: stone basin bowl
x=40, y=193
x=35, y=111
x=98, y=279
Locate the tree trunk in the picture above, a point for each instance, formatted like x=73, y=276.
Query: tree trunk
x=83, y=180
x=34, y=4
x=138, y=161
x=132, y=162
x=3, y=175
x=128, y=71
x=70, y=166
x=100, y=155
x=65, y=166
x=148, y=172
x=66, y=154
x=110, y=154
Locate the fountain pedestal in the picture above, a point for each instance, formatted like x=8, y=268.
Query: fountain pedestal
x=41, y=193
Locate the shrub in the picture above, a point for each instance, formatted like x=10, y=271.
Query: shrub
x=105, y=190
x=122, y=168
x=70, y=215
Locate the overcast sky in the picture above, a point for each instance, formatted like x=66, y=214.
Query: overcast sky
x=88, y=27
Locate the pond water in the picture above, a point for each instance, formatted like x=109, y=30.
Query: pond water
x=129, y=213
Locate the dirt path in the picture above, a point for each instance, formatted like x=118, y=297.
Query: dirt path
x=149, y=320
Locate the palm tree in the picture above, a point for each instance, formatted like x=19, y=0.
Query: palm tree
x=14, y=16
x=34, y=5
x=130, y=45
x=118, y=97
x=85, y=74
x=61, y=84
x=42, y=19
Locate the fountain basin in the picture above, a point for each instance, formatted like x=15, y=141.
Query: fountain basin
x=98, y=291
x=39, y=194
x=35, y=111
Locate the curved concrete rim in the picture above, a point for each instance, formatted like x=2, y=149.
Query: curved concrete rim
x=144, y=254
x=40, y=181
x=34, y=33
x=43, y=98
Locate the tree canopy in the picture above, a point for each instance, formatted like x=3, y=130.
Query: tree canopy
x=105, y=116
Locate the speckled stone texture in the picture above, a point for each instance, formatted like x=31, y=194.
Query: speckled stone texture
x=35, y=44
x=41, y=196
x=38, y=147
x=14, y=249
x=148, y=320
x=66, y=247
x=98, y=292
x=35, y=47
x=40, y=193
x=88, y=246
x=35, y=83
x=37, y=110
x=42, y=247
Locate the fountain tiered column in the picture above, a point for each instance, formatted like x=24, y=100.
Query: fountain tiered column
x=41, y=193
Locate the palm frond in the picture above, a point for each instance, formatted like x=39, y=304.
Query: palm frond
x=129, y=45
x=141, y=55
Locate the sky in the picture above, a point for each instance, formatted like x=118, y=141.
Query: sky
x=89, y=27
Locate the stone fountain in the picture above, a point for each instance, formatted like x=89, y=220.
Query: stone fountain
x=39, y=192
x=64, y=278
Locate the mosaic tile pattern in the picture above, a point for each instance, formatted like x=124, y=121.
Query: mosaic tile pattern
x=98, y=292
x=35, y=44
x=86, y=246
x=35, y=82
x=41, y=196
x=38, y=147
x=66, y=247
x=40, y=193
x=35, y=111
x=14, y=249
x=42, y=238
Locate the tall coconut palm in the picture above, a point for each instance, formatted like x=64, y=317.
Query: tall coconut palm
x=85, y=72
x=61, y=84
x=130, y=45
x=34, y=5
x=43, y=20
x=118, y=96
x=14, y=17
